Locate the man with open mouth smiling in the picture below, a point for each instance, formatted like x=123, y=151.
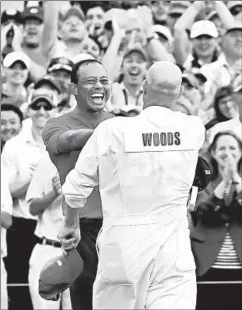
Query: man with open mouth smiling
x=129, y=91
x=64, y=138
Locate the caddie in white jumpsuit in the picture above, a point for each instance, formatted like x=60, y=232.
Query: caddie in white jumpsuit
x=145, y=167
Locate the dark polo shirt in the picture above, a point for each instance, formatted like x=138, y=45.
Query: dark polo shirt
x=64, y=163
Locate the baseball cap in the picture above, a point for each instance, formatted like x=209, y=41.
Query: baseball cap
x=202, y=175
x=33, y=13
x=44, y=95
x=163, y=31
x=60, y=63
x=59, y=274
x=237, y=25
x=74, y=11
x=11, y=14
x=13, y=57
x=47, y=80
x=178, y=7
x=203, y=27
x=136, y=48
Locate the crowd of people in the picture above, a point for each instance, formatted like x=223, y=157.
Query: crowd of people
x=41, y=45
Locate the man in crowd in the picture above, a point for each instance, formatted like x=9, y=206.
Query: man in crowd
x=60, y=69
x=19, y=159
x=28, y=42
x=64, y=138
x=72, y=32
x=11, y=122
x=223, y=70
x=45, y=201
x=129, y=91
x=145, y=167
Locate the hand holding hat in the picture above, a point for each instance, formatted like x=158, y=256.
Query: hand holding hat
x=59, y=274
x=69, y=237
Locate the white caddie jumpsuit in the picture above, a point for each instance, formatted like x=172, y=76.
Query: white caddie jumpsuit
x=144, y=167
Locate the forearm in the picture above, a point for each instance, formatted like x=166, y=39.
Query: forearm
x=50, y=30
x=18, y=190
x=224, y=14
x=109, y=59
x=187, y=19
x=71, y=216
x=6, y=220
x=73, y=140
x=38, y=205
x=158, y=51
x=182, y=46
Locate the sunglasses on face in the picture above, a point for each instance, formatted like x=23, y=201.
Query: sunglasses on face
x=37, y=106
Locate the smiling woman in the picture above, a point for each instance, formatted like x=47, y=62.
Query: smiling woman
x=216, y=239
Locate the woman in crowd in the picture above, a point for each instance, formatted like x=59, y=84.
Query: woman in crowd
x=217, y=236
x=225, y=106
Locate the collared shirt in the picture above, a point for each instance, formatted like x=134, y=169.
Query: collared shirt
x=144, y=165
x=121, y=98
x=6, y=206
x=19, y=154
x=51, y=219
x=219, y=72
x=66, y=162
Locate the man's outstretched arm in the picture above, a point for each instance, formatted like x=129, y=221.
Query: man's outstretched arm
x=59, y=139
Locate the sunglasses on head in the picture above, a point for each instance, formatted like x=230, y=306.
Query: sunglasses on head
x=36, y=106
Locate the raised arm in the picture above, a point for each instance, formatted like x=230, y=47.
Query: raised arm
x=50, y=31
x=181, y=43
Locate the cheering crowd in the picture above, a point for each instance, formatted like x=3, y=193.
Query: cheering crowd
x=42, y=44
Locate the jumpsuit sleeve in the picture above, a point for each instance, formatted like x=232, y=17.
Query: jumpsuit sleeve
x=81, y=181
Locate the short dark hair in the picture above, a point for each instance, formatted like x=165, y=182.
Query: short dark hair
x=13, y=108
x=221, y=93
x=83, y=63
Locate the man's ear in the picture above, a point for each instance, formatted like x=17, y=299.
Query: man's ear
x=73, y=88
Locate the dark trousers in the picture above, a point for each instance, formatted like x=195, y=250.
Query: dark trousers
x=20, y=242
x=220, y=296
x=81, y=290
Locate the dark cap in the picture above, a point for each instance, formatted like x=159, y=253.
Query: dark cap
x=11, y=14
x=59, y=274
x=33, y=13
x=43, y=95
x=74, y=11
x=47, y=80
x=202, y=174
x=60, y=63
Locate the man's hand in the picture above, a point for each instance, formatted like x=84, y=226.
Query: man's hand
x=17, y=39
x=69, y=237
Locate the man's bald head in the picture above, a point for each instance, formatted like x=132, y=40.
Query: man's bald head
x=163, y=84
